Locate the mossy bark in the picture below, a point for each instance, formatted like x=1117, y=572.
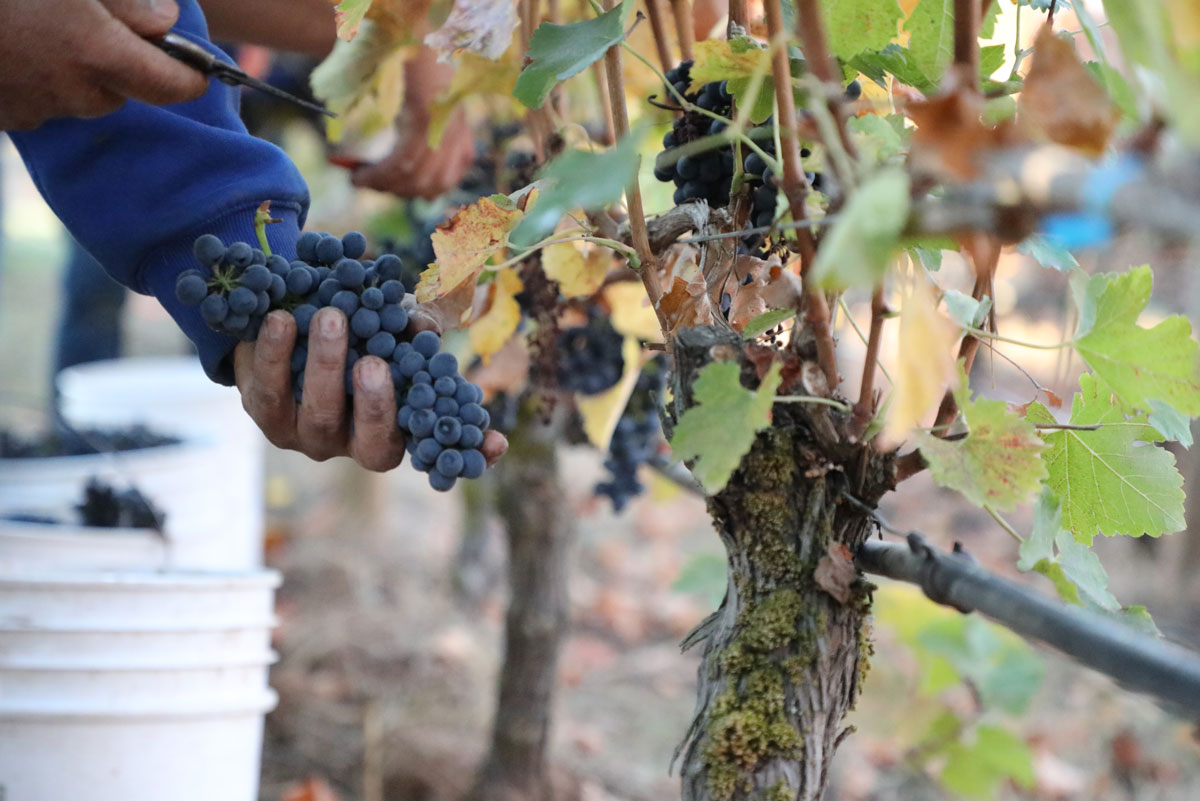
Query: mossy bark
x=530, y=501
x=783, y=659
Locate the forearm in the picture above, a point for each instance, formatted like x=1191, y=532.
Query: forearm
x=301, y=26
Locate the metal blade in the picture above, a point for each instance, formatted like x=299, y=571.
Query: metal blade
x=262, y=86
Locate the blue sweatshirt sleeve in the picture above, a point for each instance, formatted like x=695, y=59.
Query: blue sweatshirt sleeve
x=136, y=187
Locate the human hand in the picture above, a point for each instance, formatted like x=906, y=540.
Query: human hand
x=414, y=169
x=319, y=425
x=85, y=58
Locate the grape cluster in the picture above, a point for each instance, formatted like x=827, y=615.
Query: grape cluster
x=636, y=438
x=105, y=506
x=589, y=356
x=70, y=441
x=439, y=410
x=707, y=175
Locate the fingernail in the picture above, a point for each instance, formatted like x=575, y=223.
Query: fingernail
x=160, y=7
x=373, y=375
x=332, y=324
x=272, y=327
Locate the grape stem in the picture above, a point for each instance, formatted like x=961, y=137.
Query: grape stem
x=263, y=218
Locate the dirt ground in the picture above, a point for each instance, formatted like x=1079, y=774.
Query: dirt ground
x=387, y=664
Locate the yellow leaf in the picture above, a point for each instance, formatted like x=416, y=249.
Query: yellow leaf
x=577, y=276
x=715, y=60
x=492, y=329
x=601, y=412
x=464, y=243
x=474, y=76
x=363, y=80
x=924, y=363
x=632, y=314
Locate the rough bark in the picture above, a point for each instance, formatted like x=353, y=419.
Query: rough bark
x=782, y=660
x=529, y=499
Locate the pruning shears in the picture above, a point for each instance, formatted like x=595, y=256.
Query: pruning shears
x=197, y=57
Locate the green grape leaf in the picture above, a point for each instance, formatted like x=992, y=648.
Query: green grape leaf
x=1004, y=669
x=766, y=321
x=965, y=310
x=858, y=25
x=998, y=464
x=705, y=575
x=858, y=248
x=1047, y=252
x=901, y=63
x=1138, y=364
x=893, y=60
x=931, y=45
x=991, y=58
x=976, y=770
x=578, y=179
x=876, y=139
x=1111, y=480
x=557, y=52
x=720, y=430
x=1075, y=570
x=1170, y=422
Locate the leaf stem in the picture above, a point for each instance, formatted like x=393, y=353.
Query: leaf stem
x=1004, y=524
x=841, y=407
x=981, y=334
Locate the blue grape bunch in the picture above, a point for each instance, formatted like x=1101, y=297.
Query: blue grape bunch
x=440, y=411
x=708, y=175
x=589, y=356
x=636, y=439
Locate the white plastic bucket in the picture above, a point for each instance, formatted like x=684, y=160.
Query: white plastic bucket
x=38, y=548
x=172, y=393
x=137, y=601
x=189, y=481
x=134, y=686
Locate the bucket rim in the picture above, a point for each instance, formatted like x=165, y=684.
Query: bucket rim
x=144, y=580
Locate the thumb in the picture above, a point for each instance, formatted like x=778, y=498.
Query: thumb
x=144, y=17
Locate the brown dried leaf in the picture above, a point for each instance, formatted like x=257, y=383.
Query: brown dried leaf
x=951, y=139
x=771, y=287
x=836, y=573
x=1061, y=98
x=687, y=304
x=507, y=370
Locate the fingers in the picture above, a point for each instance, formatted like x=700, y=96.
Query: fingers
x=144, y=17
x=377, y=443
x=321, y=425
x=269, y=400
x=494, y=446
x=127, y=65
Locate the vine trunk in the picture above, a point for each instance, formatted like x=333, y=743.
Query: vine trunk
x=783, y=659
